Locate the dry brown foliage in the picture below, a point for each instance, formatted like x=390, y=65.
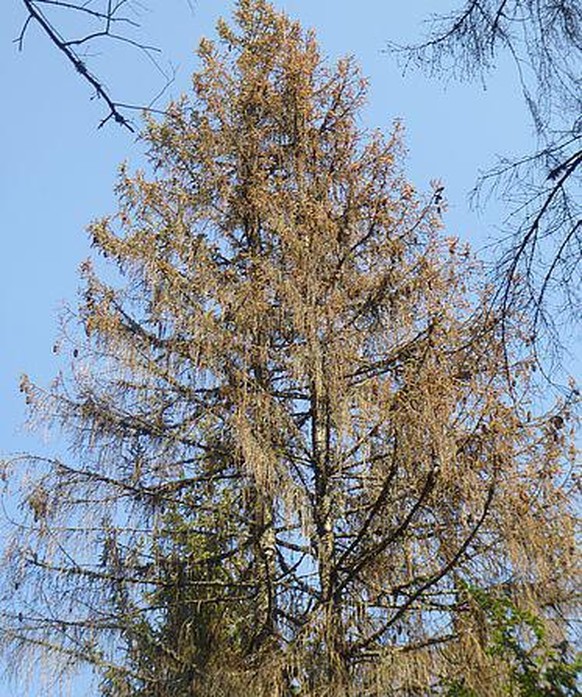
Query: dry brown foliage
x=292, y=438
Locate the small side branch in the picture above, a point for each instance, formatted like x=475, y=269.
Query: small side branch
x=108, y=18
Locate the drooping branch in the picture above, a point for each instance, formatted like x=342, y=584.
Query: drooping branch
x=539, y=259
x=433, y=579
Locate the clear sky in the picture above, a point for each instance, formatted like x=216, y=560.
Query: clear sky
x=58, y=171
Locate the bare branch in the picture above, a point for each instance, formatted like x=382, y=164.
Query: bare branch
x=538, y=270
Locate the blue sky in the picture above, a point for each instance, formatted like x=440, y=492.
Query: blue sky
x=58, y=170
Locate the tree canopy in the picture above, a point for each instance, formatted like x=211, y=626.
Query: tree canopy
x=537, y=265
x=296, y=439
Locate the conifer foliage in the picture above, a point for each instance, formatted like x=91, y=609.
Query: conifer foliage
x=293, y=441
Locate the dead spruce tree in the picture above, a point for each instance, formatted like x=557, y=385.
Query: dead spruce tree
x=293, y=447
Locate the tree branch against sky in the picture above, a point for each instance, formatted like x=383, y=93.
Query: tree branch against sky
x=78, y=28
x=539, y=253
